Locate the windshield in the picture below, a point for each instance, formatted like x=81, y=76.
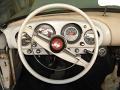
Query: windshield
x=10, y=9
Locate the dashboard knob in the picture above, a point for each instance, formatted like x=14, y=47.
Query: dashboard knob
x=77, y=50
x=34, y=44
x=38, y=51
x=102, y=51
x=29, y=51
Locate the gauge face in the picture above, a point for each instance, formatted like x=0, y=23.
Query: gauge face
x=89, y=37
x=26, y=39
x=45, y=29
x=72, y=32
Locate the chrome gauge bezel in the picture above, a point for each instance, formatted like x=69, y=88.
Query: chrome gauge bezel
x=50, y=26
x=73, y=25
x=88, y=41
x=26, y=39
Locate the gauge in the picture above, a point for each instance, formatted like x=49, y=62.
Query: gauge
x=89, y=37
x=26, y=39
x=45, y=29
x=72, y=32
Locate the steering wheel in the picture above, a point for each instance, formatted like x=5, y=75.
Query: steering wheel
x=64, y=53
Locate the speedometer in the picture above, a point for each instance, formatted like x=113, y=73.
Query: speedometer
x=45, y=29
x=72, y=32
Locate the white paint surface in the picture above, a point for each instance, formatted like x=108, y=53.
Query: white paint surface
x=109, y=2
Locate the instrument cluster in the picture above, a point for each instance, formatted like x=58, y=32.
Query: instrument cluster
x=76, y=35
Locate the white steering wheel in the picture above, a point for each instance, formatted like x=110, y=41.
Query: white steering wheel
x=70, y=58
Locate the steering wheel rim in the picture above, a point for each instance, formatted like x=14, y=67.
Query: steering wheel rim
x=25, y=63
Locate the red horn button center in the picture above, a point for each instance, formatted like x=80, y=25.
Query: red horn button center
x=57, y=44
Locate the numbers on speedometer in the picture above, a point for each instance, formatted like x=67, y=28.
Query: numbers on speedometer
x=72, y=32
x=45, y=29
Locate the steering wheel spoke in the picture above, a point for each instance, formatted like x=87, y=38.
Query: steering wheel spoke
x=80, y=61
x=65, y=54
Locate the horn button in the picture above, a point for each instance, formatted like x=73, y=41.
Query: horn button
x=57, y=44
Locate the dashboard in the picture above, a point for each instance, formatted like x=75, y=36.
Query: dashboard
x=76, y=32
x=72, y=28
